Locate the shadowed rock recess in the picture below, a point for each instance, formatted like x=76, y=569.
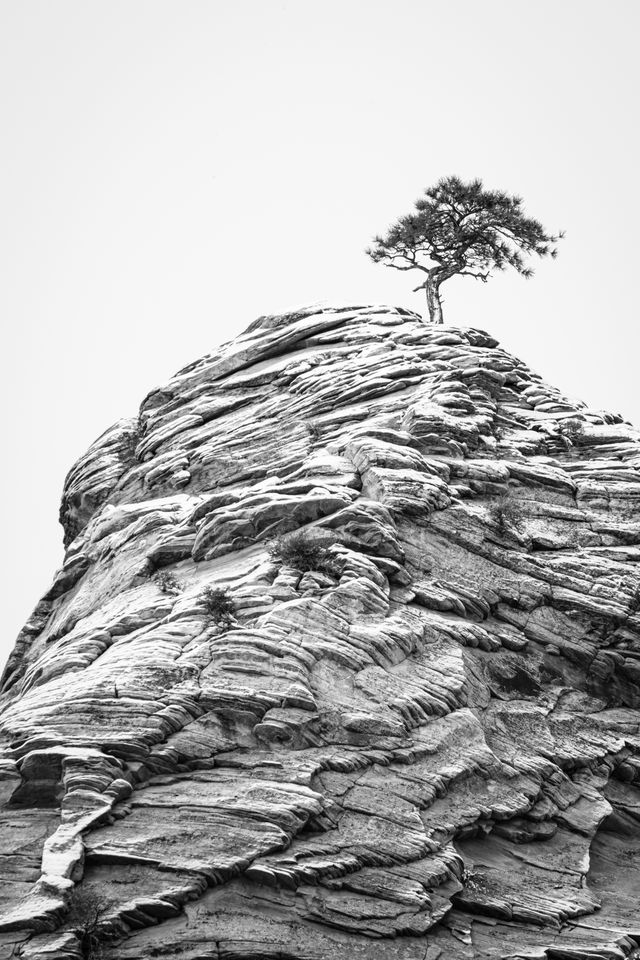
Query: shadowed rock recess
x=427, y=748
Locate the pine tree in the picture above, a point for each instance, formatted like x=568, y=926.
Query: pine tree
x=461, y=229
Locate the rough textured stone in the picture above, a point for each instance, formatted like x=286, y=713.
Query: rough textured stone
x=426, y=748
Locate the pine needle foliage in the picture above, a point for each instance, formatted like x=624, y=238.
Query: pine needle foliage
x=219, y=605
x=504, y=515
x=572, y=429
x=168, y=583
x=461, y=229
x=300, y=551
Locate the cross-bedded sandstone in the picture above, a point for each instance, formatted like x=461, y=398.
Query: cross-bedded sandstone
x=428, y=748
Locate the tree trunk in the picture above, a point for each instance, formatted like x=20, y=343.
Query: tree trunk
x=432, y=289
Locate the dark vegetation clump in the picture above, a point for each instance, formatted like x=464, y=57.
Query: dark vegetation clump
x=299, y=550
x=168, y=583
x=474, y=881
x=86, y=909
x=571, y=429
x=504, y=515
x=462, y=229
x=130, y=441
x=218, y=605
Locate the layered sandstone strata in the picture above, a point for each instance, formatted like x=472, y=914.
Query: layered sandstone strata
x=426, y=748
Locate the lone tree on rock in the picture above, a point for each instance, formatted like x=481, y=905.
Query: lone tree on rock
x=462, y=229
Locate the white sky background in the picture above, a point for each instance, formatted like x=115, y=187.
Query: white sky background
x=171, y=169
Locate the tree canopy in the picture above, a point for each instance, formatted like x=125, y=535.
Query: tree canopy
x=461, y=229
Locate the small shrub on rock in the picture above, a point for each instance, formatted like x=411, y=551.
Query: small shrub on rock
x=299, y=550
x=130, y=441
x=219, y=605
x=571, y=429
x=504, y=515
x=86, y=908
x=473, y=880
x=168, y=583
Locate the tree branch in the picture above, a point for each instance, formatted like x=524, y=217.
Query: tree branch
x=411, y=266
x=477, y=276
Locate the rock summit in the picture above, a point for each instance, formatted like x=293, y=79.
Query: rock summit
x=421, y=743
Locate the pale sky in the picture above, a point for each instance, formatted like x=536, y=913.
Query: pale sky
x=171, y=169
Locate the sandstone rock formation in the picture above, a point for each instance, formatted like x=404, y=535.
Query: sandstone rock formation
x=427, y=747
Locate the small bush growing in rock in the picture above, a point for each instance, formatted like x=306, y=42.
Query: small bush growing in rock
x=130, y=441
x=218, y=605
x=86, y=908
x=473, y=880
x=168, y=583
x=504, y=515
x=571, y=429
x=299, y=550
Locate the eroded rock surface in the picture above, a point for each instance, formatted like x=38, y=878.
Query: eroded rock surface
x=428, y=749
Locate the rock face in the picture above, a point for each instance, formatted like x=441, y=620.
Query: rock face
x=424, y=745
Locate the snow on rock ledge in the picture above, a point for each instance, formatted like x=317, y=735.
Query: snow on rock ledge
x=428, y=749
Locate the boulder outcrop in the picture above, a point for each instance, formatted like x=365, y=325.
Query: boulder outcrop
x=420, y=741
